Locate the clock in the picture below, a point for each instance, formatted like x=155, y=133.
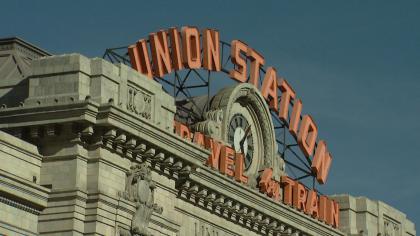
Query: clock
x=245, y=124
x=244, y=134
x=240, y=136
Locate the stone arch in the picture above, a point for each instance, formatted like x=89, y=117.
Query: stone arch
x=248, y=95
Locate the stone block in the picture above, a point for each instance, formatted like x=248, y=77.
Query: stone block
x=73, y=77
x=361, y=214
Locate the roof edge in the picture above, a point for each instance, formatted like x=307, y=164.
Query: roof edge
x=23, y=43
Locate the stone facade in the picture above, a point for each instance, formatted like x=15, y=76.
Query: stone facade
x=22, y=198
x=362, y=216
x=88, y=148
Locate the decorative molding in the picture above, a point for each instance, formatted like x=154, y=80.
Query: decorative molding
x=140, y=141
x=249, y=208
x=20, y=206
x=24, y=47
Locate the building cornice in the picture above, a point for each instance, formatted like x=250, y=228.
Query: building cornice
x=179, y=159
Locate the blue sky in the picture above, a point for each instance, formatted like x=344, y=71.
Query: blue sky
x=355, y=64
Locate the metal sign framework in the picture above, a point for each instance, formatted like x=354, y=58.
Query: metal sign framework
x=187, y=83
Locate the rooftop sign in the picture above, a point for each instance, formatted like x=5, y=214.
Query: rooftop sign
x=169, y=50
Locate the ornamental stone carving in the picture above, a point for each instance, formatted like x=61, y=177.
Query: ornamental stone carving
x=140, y=189
x=139, y=103
x=391, y=228
x=211, y=126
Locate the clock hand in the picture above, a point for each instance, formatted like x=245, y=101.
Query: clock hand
x=248, y=129
x=245, y=135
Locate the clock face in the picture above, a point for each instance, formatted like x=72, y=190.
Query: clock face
x=246, y=124
x=240, y=136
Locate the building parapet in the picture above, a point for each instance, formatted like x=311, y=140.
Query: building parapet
x=363, y=216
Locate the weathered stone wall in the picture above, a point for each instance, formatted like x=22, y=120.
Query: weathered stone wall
x=21, y=196
x=362, y=216
x=67, y=78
